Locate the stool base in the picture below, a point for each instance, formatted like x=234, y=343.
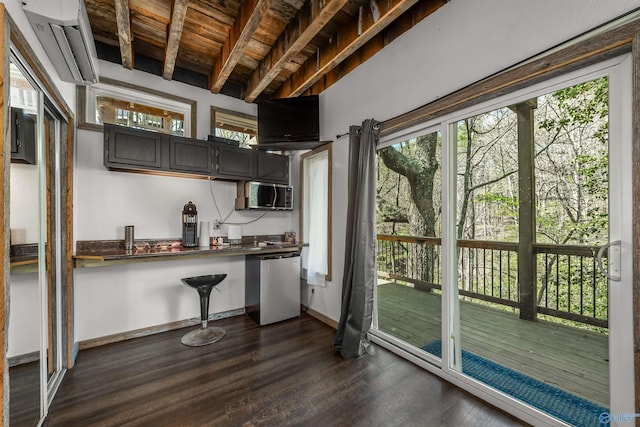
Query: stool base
x=204, y=336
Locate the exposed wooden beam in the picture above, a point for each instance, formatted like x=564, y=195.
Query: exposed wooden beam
x=401, y=25
x=178, y=13
x=304, y=27
x=374, y=17
x=240, y=35
x=123, y=20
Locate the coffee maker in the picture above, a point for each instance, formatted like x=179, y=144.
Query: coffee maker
x=189, y=225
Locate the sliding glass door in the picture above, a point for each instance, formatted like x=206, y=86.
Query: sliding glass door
x=409, y=240
x=540, y=186
x=520, y=290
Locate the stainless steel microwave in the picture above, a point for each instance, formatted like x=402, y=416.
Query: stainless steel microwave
x=260, y=195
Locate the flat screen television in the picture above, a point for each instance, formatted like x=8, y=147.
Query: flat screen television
x=289, y=120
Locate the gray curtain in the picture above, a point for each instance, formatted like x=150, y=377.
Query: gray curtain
x=359, y=278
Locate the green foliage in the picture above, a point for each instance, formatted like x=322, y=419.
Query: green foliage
x=582, y=104
x=505, y=206
x=572, y=168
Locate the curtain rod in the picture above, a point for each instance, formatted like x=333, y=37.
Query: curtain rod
x=376, y=126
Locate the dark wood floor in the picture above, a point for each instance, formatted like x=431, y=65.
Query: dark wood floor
x=24, y=398
x=282, y=374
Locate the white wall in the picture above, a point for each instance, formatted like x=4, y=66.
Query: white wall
x=115, y=299
x=23, y=204
x=461, y=43
x=24, y=315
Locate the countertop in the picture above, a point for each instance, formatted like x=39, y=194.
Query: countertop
x=23, y=258
x=97, y=253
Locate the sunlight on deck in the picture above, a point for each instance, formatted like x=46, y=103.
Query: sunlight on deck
x=572, y=359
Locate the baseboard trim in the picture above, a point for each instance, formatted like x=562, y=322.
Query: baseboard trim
x=152, y=330
x=321, y=317
x=23, y=358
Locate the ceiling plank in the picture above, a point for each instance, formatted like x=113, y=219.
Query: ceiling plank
x=300, y=32
x=374, y=17
x=240, y=34
x=123, y=21
x=178, y=14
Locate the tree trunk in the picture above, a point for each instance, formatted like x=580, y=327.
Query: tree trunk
x=420, y=172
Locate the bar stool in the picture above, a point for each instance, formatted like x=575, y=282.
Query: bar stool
x=205, y=335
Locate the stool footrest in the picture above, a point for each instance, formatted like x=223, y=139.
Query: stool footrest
x=201, y=336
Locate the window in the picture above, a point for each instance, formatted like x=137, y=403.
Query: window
x=114, y=102
x=234, y=126
x=113, y=110
x=315, y=214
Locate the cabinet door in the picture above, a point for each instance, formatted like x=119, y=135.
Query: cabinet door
x=234, y=162
x=190, y=156
x=23, y=137
x=132, y=147
x=273, y=168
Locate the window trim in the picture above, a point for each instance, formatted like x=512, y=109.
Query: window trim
x=82, y=100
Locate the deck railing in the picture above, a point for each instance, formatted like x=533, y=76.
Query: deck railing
x=568, y=284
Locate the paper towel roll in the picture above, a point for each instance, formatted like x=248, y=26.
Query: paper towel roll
x=235, y=233
x=203, y=240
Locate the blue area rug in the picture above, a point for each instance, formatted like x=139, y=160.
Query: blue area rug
x=562, y=405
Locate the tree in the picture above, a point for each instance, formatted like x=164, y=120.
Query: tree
x=420, y=171
x=573, y=172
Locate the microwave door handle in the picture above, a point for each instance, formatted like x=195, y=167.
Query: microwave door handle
x=275, y=197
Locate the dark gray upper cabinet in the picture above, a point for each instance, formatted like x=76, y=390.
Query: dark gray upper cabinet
x=190, y=156
x=135, y=149
x=132, y=147
x=234, y=162
x=23, y=137
x=272, y=168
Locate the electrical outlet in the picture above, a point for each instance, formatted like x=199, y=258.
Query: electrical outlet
x=216, y=224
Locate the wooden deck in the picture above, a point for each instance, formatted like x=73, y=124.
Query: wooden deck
x=572, y=359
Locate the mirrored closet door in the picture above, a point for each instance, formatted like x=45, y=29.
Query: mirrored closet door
x=34, y=351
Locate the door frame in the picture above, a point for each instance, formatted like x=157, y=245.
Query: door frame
x=620, y=319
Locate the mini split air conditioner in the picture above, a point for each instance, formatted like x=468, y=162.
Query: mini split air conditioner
x=62, y=26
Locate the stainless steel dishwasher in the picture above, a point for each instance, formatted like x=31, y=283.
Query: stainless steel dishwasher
x=272, y=288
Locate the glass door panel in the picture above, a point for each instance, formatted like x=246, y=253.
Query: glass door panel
x=409, y=240
x=532, y=209
x=23, y=353
x=34, y=350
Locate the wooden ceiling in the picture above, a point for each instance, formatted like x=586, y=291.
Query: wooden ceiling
x=250, y=49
